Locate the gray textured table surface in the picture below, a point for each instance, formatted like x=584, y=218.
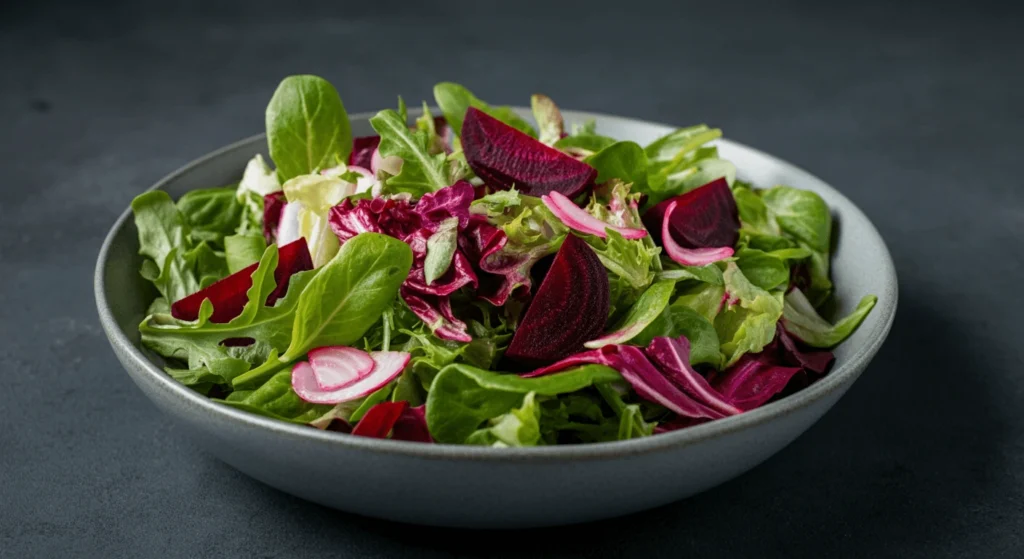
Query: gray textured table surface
x=914, y=113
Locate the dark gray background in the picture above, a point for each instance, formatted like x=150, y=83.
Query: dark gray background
x=912, y=110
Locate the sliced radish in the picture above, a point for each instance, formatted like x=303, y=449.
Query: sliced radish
x=578, y=219
x=339, y=366
x=391, y=165
x=688, y=256
x=288, y=228
x=387, y=366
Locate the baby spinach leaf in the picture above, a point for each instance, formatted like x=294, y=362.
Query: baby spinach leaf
x=421, y=172
x=622, y=160
x=802, y=321
x=454, y=100
x=710, y=273
x=462, y=398
x=762, y=269
x=307, y=127
x=585, y=143
x=704, y=298
x=646, y=309
x=242, y=251
x=348, y=295
x=680, y=320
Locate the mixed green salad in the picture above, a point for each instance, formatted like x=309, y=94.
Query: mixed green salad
x=477, y=278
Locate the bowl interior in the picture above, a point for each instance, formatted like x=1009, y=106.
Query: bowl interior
x=861, y=264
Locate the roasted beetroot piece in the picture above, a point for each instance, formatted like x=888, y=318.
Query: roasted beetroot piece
x=412, y=426
x=504, y=157
x=705, y=217
x=362, y=151
x=379, y=420
x=273, y=205
x=229, y=294
x=570, y=307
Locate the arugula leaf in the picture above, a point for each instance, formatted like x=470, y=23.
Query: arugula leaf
x=621, y=160
x=199, y=343
x=519, y=427
x=462, y=398
x=277, y=400
x=440, y=249
x=680, y=320
x=646, y=309
x=242, y=251
x=307, y=127
x=164, y=241
x=802, y=321
x=211, y=213
x=421, y=172
x=454, y=100
x=548, y=117
x=747, y=324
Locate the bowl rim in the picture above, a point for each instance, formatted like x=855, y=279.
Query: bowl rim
x=843, y=374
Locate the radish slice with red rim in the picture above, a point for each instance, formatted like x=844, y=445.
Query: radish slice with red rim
x=578, y=219
x=339, y=366
x=688, y=256
x=387, y=366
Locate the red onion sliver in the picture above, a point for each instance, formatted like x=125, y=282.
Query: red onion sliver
x=688, y=256
x=578, y=219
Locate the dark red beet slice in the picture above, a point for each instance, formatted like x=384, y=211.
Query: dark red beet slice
x=503, y=156
x=569, y=308
x=273, y=205
x=362, y=151
x=379, y=420
x=705, y=217
x=229, y=294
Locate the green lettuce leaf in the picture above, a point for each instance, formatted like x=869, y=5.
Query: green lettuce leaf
x=519, y=427
x=802, y=321
x=747, y=323
x=548, y=117
x=307, y=127
x=631, y=420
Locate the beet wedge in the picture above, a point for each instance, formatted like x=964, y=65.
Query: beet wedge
x=705, y=217
x=505, y=157
x=229, y=295
x=570, y=308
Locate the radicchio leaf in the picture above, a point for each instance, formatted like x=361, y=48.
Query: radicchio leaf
x=362, y=150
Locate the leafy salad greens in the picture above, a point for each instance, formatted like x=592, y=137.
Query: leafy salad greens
x=477, y=278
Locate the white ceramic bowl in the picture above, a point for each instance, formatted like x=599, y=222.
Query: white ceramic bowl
x=500, y=488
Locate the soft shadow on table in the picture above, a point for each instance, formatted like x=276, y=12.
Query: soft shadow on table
x=915, y=433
